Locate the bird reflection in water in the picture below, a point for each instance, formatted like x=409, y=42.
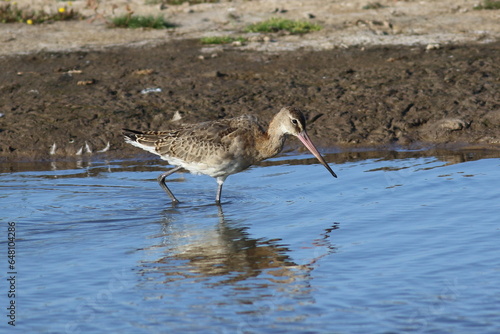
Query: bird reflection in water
x=227, y=252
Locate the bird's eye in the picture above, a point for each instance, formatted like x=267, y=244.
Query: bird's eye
x=295, y=122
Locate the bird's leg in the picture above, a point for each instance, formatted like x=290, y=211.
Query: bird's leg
x=220, y=182
x=161, y=181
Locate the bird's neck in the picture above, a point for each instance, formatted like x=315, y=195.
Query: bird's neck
x=272, y=141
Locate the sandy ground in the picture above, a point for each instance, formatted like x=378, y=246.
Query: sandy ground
x=412, y=74
x=345, y=24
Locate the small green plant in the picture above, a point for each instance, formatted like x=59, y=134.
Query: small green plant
x=488, y=4
x=373, y=5
x=177, y=2
x=222, y=40
x=139, y=21
x=278, y=24
x=10, y=13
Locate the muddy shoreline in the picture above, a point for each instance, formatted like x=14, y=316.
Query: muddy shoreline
x=57, y=105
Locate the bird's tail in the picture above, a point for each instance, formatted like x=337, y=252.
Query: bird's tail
x=131, y=134
x=144, y=140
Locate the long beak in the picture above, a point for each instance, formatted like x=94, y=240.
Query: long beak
x=304, y=138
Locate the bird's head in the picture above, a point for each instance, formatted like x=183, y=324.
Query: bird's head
x=292, y=121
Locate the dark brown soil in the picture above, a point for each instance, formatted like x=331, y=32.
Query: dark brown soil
x=371, y=97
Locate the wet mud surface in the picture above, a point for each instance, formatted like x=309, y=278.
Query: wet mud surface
x=70, y=104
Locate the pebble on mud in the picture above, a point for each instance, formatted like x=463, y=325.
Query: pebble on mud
x=85, y=82
x=105, y=149
x=146, y=71
x=443, y=127
x=151, y=90
x=451, y=124
x=433, y=46
x=53, y=149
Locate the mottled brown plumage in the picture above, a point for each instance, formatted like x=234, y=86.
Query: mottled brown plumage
x=223, y=147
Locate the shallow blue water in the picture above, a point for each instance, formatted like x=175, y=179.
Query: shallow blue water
x=401, y=244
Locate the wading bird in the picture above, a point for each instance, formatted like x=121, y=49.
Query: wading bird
x=223, y=147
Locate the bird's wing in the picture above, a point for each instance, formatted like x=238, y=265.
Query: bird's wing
x=196, y=142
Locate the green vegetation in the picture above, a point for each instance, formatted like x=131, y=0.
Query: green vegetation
x=177, y=2
x=488, y=4
x=277, y=24
x=373, y=5
x=10, y=13
x=222, y=40
x=139, y=21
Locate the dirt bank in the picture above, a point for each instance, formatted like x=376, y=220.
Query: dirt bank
x=365, y=97
x=56, y=103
